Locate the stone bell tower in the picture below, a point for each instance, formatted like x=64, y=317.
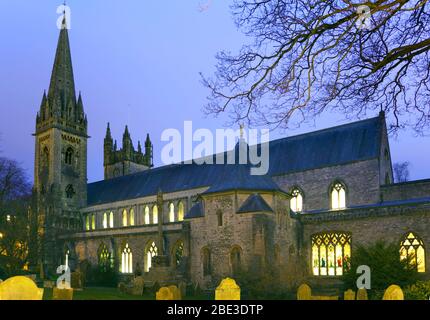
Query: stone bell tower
x=60, y=167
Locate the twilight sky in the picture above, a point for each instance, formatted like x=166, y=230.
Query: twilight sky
x=137, y=63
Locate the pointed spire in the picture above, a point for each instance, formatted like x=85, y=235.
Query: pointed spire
x=147, y=141
x=139, y=147
x=108, y=133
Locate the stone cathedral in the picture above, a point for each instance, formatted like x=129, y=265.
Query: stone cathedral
x=325, y=193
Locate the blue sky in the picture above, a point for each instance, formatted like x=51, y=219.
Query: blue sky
x=137, y=63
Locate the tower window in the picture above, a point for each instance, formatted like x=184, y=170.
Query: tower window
x=70, y=191
x=69, y=156
x=296, y=201
x=219, y=216
x=338, y=196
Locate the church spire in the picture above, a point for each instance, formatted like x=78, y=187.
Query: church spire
x=62, y=87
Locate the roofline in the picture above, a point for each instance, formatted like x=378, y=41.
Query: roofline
x=406, y=183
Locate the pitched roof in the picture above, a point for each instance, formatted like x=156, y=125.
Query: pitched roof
x=334, y=146
x=196, y=211
x=254, y=203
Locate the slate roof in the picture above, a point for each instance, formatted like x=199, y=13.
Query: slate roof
x=196, y=211
x=338, y=145
x=254, y=203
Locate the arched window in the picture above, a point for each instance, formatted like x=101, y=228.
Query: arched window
x=296, y=201
x=93, y=222
x=146, y=215
x=151, y=251
x=105, y=258
x=105, y=220
x=338, y=196
x=131, y=217
x=206, y=261
x=127, y=260
x=45, y=157
x=171, y=212
x=155, y=214
x=87, y=222
x=116, y=173
x=69, y=156
x=180, y=211
x=178, y=253
x=124, y=218
x=412, y=250
x=235, y=260
x=111, y=220
x=219, y=218
x=70, y=192
x=331, y=253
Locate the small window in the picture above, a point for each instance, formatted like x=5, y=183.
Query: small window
x=296, y=201
x=146, y=216
x=87, y=222
x=124, y=218
x=111, y=220
x=338, y=196
x=69, y=156
x=206, y=261
x=180, y=211
x=70, y=191
x=93, y=222
x=155, y=214
x=105, y=220
x=171, y=212
x=131, y=217
x=219, y=217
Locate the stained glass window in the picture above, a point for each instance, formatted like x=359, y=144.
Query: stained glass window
x=331, y=253
x=296, y=202
x=151, y=251
x=412, y=248
x=146, y=217
x=338, y=196
x=127, y=260
x=105, y=258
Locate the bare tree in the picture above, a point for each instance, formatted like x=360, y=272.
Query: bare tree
x=401, y=171
x=311, y=55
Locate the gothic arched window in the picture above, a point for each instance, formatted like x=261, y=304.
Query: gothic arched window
x=127, y=260
x=171, y=212
x=338, y=196
x=412, y=250
x=235, y=260
x=180, y=211
x=296, y=201
x=70, y=191
x=131, y=217
x=45, y=157
x=124, y=218
x=206, y=261
x=69, y=156
x=331, y=253
x=155, y=214
x=111, y=220
x=151, y=251
x=146, y=216
x=93, y=222
x=105, y=220
x=87, y=222
x=178, y=253
x=105, y=258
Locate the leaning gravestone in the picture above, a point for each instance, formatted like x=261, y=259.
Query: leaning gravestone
x=20, y=288
x=349, y=295
x=362, y=294
x=175, y=292
x=393, y=292
x=304, y=292
x=62, y=294
x=182, y=288
x=76, y=280
x=227, y=290
x=164, y=294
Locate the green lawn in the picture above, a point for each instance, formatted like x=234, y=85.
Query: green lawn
x=97, y=293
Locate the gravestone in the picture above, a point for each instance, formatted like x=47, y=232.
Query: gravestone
x=183, y=288
x=76, y=280
x=62, y=294
x=362, y=294
x=304, y=292
x=136, y=287
x=164, y=294
x=393, y=292
x=349, y=295
x=227, y=290
x=175, y=292
x=20, y=288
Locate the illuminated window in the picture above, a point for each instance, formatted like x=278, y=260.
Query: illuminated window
x=131, y=217
x=105, y=258
x=155, y=214
x=124, y=218
x=296, y=202
x=338, y=196
x=235, y=260
x=171, y=212
x=93, y=222
x=8, y=218
x=178, y=253
x=146, y=217
x=151, y=251
x=69, y=156
x=111, y=220
x=105, y=220
x=127, y=260
x=180, y=211
x=412, y=248
x=87, y=222
x=206, y=261
x=331, y=253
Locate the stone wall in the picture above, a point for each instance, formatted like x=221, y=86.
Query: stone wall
x=406, y=190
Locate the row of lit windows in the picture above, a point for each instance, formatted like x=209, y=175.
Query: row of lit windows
x=337, y=198
x=331, y=253
x=127, y=217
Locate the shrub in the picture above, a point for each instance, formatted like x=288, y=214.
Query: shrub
x=385, y=265
x=418, y=291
